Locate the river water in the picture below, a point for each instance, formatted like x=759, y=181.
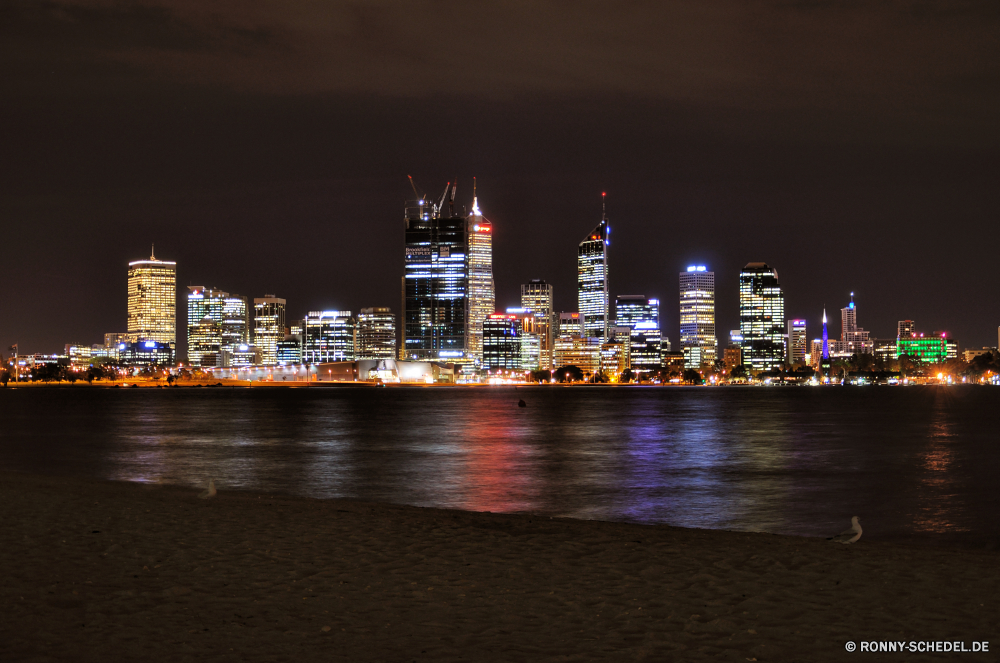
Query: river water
x=916, y=463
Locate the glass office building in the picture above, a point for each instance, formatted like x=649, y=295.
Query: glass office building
x=502, y=342
x=217, y=323
x=329, y=336
x=536, y=297
x=797, y=342
x=376, y=334
x=762, y=317
x=152, y=301
x=592, y=282
x=268, y=327
x=697, y=316
x=641, y=317
x=482, y=298
x=436, y=310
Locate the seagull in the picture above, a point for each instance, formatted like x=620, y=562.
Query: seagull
x=849, y=535
x=211, y=490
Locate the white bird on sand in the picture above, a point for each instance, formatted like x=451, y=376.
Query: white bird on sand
x=849, y=535
x=211, y=490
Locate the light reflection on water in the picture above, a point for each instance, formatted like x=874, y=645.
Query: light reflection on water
x=911, y=462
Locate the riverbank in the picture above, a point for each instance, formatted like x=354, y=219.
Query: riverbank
x=124, y=571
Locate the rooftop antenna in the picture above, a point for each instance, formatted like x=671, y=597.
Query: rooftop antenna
x=475, y=201
x=152, y=251
x=604, y=208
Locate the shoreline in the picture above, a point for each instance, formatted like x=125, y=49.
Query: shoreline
x=102, y=569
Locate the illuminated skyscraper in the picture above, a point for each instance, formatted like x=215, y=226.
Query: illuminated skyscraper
x=797, y=343
x=502, y=349
x=482, y=297
x=376, y=334
x=698, y=342
x=642, y=317
x=217, y=324
x=329, y=336
x=592, y=281
x=536, y=297
x=437, y=319
x=268, y=327
x=762, y=317
x=152, y=301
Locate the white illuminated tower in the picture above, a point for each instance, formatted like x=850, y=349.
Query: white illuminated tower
x=698, y=342
x=152, y=300
x=762, y=317
x=592, y=280
x=482, y=296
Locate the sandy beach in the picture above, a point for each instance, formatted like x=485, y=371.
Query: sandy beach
x=98, y=571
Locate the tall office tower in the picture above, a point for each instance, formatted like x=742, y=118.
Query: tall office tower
x=698, y=342
x=642, y=317
x=536, y=297
x=235, y=322
x=436, y=316
x=762, y=317
x=569, y=325
x=268, y=327
x=906, y=328
x=502, y=349
x=592, y=281
x=853, y=339
x=632, y=309
x=376, y=334
x=482, y=297
x=329, y=336
x=152, y=301
x=848, y=320
x=217, y=324
x=797, y=344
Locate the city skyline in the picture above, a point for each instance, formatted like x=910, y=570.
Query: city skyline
x=717, y=145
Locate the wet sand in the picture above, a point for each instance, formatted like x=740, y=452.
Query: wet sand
x=98, y=571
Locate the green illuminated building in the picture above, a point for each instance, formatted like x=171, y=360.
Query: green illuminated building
x=928, y=349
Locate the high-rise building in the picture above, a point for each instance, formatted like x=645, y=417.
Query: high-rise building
x=152, y=301
x=536, y=297
x=698, y=342
x=437, y=318
x=853, y=339
x=217, y=323
x=482, y=296
x=376, y=334
x=905, y=329
x=797, y=343
x=268, y=327
x=584, y=352
x=329, y=336
x=592, y=281
x=569, y=324
x=641, y=317
x=762, y=317
x=502, y=342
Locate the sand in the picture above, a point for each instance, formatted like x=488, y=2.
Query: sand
x=105, y=571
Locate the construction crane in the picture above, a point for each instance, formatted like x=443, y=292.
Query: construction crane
x=440, y=205
x=451, y=202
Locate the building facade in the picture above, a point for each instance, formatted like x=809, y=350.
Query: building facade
x=762, y=317
x=536, y=297
x=376, y=334
x=437, y=318
x=569, y=325
x=697, y=317
x=328, y=337
x=502, y=343
x=584, y=352
x=482, y=295
x=592, y=282
x=268, y=327
x=797, y=342
x=218, y=322
x=152, y=301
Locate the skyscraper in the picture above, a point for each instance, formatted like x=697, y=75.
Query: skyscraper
x=592, y=281
x=482, y=296
x=797, y=343
x=217, y=324
x=152, y=301
x=502, y=342
x=376, y=334
x=436, y=310
x=268, y=326
x=698, y=342
x=762, y=317
x=642, y=317
x=329, y=336
x=536, y=297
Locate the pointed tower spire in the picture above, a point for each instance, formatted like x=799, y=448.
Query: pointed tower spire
x=475, y=200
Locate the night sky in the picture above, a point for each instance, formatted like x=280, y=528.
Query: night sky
x=265, y=148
